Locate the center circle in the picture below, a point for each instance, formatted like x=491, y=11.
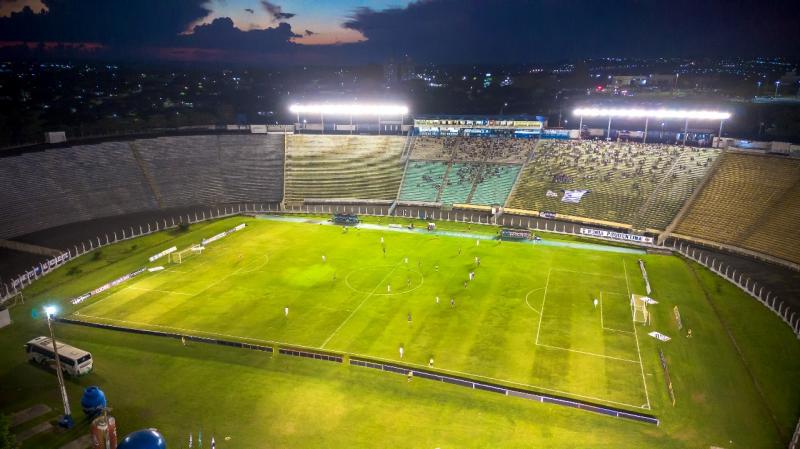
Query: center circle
x=385, y=280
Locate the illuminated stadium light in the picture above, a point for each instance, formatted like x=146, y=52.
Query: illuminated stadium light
x=652, y=113
x=349, y=109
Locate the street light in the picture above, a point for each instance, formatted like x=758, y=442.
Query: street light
x=65, y=422
x=777, y=85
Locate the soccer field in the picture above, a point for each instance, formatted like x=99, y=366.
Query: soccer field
x=527, y=320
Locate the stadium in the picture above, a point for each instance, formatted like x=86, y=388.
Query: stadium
x=459, y=281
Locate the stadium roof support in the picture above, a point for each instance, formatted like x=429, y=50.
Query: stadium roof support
x=647, y=114
x=351, y=110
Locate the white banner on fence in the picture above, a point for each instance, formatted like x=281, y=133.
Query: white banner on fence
x=106, y=286
x=573, y=196
x=163, y=253
x=616, y=235
x=223, y=234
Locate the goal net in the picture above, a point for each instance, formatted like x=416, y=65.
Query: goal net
x=639, y=309
x=182, y=255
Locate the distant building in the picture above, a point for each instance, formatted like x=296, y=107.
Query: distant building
x=626, y=81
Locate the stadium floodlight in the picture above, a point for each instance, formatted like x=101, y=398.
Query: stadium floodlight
x=353, y=109
x=66, y=421
x=50, y=311
x=652, y=113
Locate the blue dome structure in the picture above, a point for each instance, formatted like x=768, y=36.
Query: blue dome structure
x=93, y=400
x=143, y=439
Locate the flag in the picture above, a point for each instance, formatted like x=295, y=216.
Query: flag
x=573, y=196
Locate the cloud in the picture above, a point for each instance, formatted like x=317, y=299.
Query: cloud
x=250, y=10
x=526, y=30
x=276, y=11
x=140, y=22
x=222, y=34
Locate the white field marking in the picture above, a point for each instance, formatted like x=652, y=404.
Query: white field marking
x=529, y=304
x=105, y=297
x=636, y=335
x=347, y=282
x=588, y=273
x=601, y=315
x=235, y=272
x=541, y=310
x=266, y=261
x=379, y=284
x=459, y=373
x=160, y=291
x=603, y=356
x=602, y=326
x=509, y=382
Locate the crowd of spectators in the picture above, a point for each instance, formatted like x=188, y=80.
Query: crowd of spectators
x=488, y=149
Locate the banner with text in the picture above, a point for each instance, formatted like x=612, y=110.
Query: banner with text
x=616, y=235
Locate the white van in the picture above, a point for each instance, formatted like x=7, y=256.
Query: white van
x=74, y=361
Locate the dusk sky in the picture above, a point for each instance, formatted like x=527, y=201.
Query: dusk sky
x=358, y=31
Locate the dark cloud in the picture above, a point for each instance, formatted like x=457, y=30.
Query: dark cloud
x=442, y=31
x=222, y=34
x=275, y=11
x=140, y=22
x=528, y=30
x=250, y=10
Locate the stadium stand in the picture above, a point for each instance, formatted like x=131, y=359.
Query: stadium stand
x=423, y=181
x=49, y=188
x=494, y=189
x=343, y=167
x=458, y=183
x=620, y=179
x=44, y=189
x=753, y=202
x=476, y=149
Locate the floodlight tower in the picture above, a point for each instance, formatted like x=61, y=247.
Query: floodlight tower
x=66, y=421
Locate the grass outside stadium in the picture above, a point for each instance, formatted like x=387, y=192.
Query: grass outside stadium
x=527, y=320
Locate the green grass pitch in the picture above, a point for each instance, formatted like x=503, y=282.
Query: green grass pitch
x=527, y=320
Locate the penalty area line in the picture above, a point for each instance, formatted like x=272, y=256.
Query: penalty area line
x=636, y=335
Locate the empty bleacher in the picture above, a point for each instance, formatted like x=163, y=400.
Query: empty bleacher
x=49, y=188
x=44, y=189
x=494, y=189
x=752, y=202
x=343, y=167
x=620, y=179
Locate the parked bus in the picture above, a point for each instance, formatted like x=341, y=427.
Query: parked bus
x=74, y=361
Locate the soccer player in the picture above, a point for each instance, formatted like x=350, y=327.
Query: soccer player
x=409, y=318
x=324, y=258
x=401, y=351
x=430, y=362
x=408, y=282
x=405, y=260
x=389, y=288
x=286, y=312
x=410, y=375
x=381, y=240
x=452, y=302
x=437, y=300
x=183, y=340
x=436, y=267
x=595, y=302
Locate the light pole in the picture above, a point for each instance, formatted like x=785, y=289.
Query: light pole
x=66, y=421
x=758, y=88
x=661, y=135
x=646, y=122
x=777, y=85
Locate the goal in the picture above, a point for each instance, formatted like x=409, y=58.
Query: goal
x=639, y=309
x=182, y=255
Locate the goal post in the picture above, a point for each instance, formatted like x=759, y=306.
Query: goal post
x=639, y=311
x=182, y=255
